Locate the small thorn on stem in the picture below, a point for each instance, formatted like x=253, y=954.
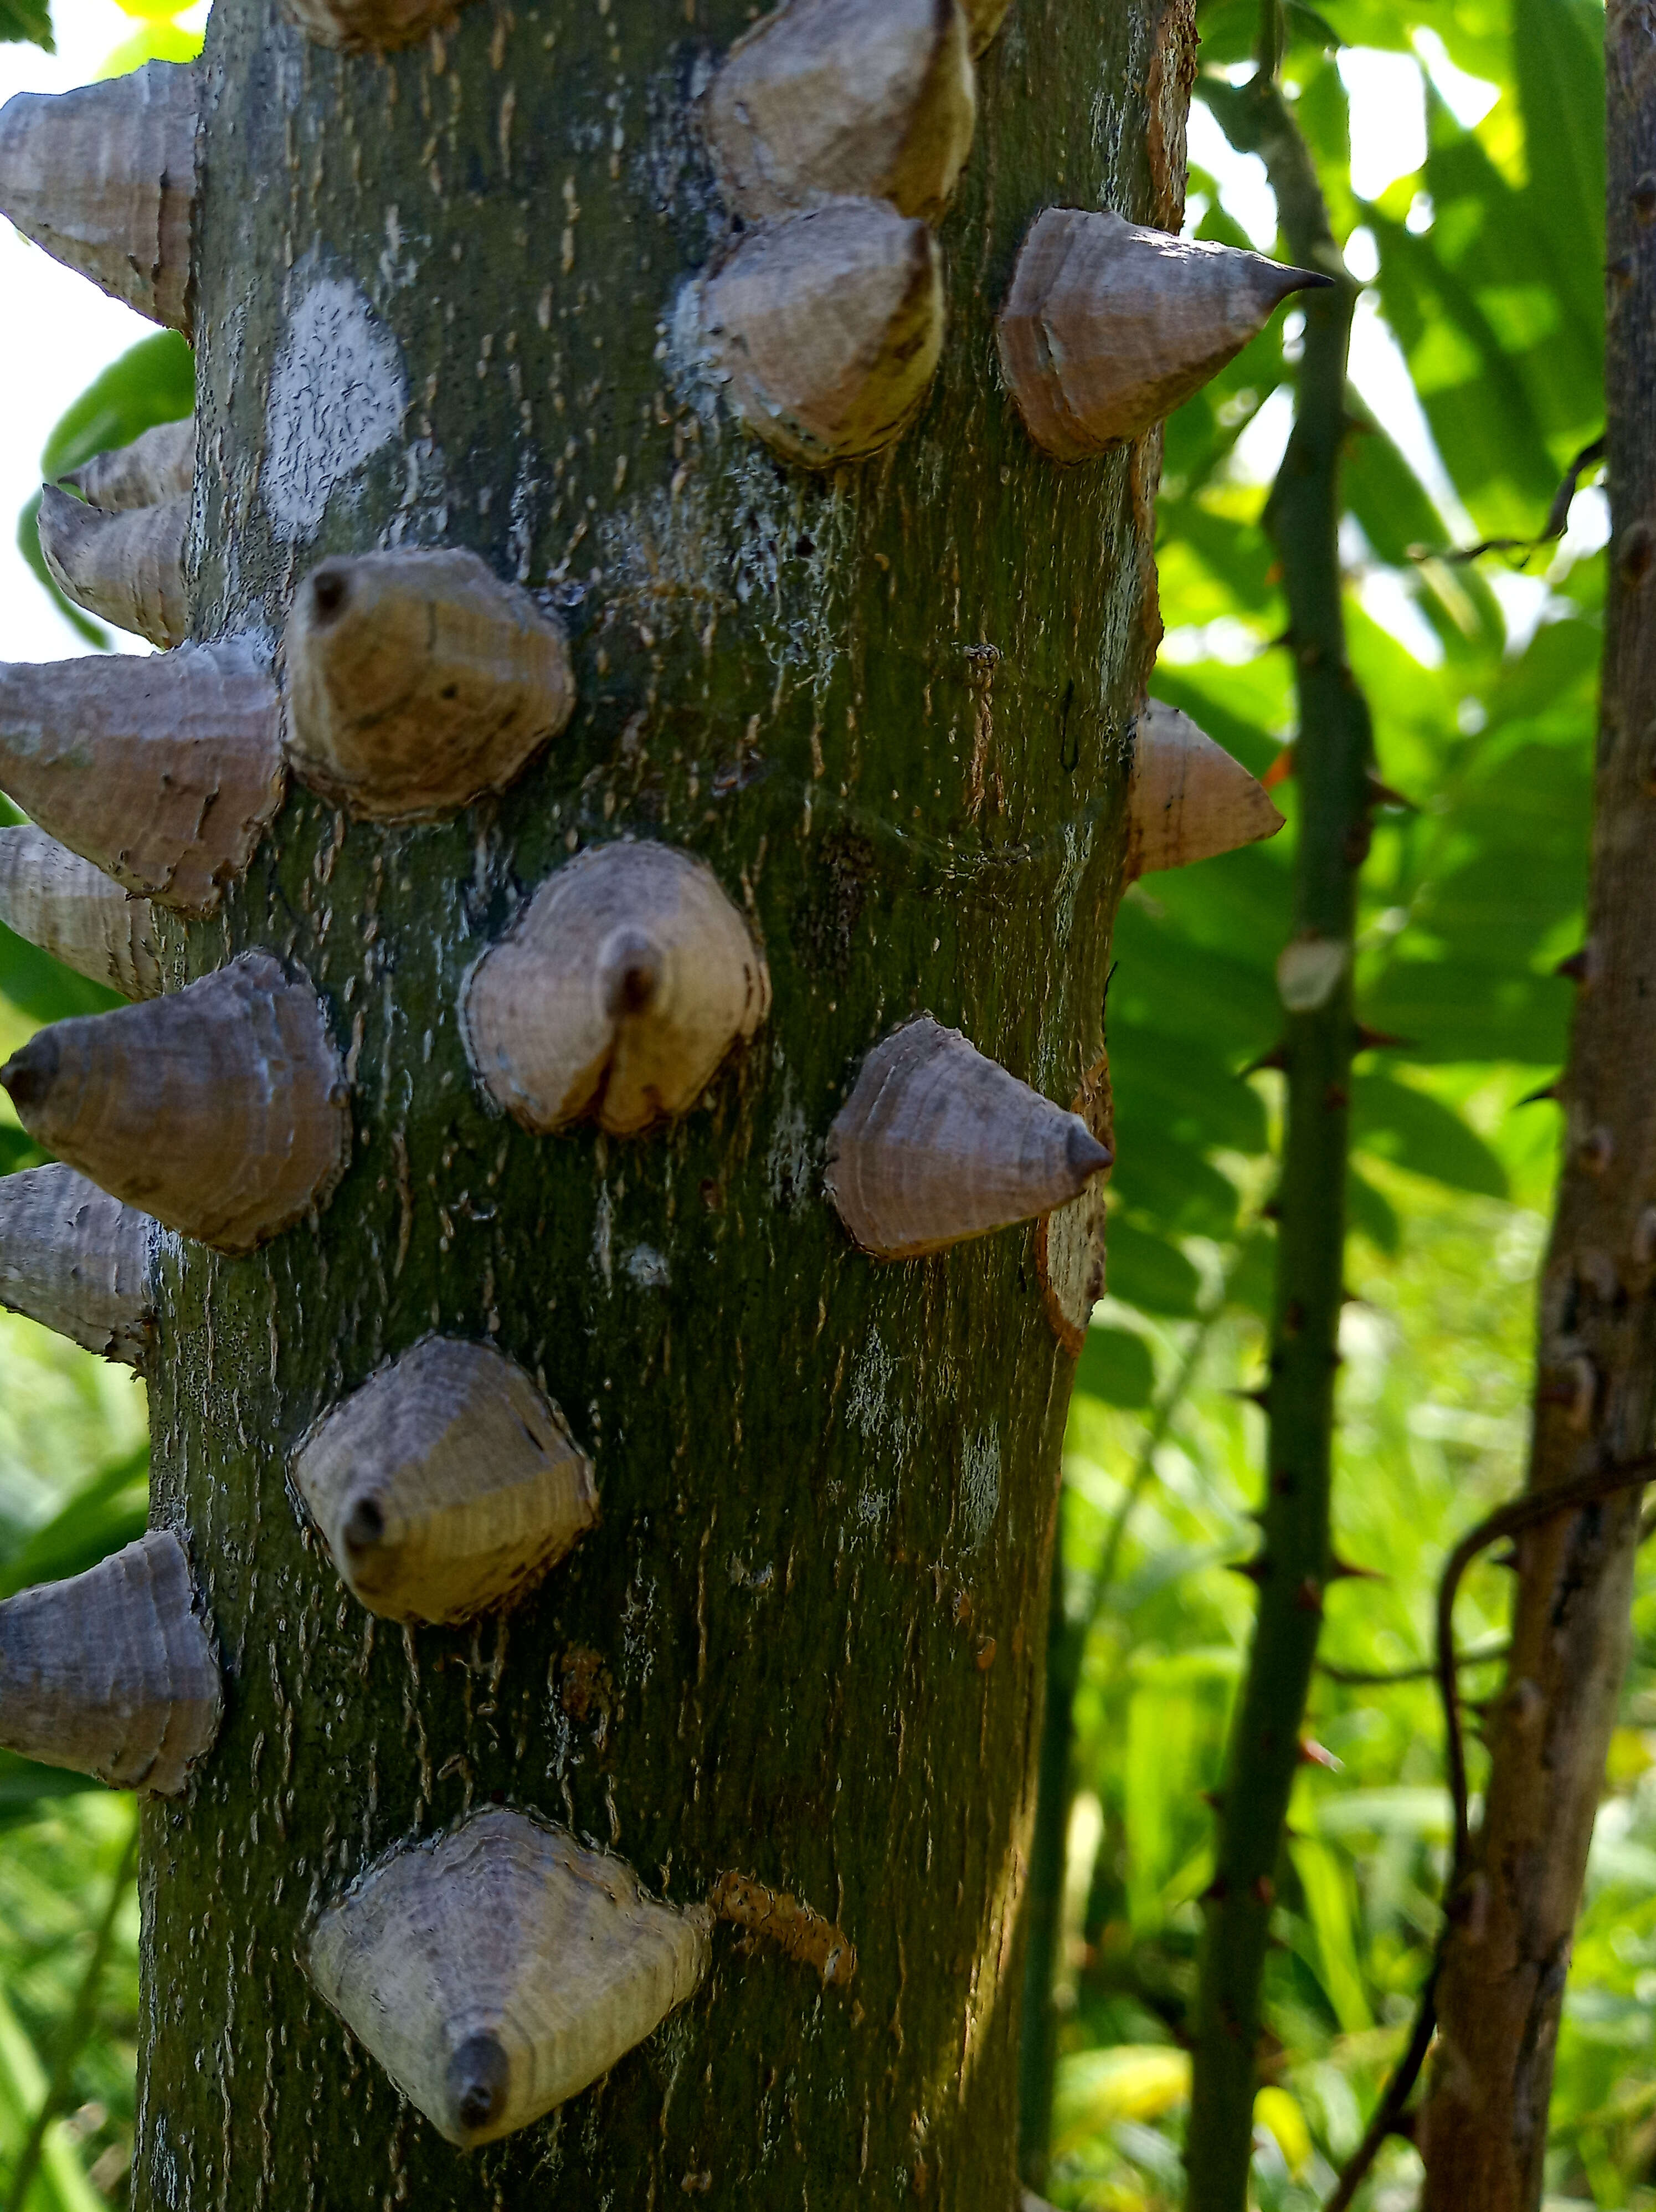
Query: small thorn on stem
x=1595, y=1151
x=1381, y=794
x=1341, y=1570
x=1274, y=1062
x=1578, y=967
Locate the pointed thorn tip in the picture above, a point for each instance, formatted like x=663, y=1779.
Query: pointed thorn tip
x=30, y=1074
x=1086, y=1155
x=478, y=2075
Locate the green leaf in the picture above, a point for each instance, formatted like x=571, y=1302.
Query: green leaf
x=1388, y=499
x=1558, y=59
x=28, y=544
x=1116, y=1365
x=1329, y=1892
x=19, y=1150
x=1416, y=1131
x=1373, y=1215
x=104, y=1515
x=1149, y=1273
x=26, y=1786
x=27, y=21
x=156, y=42
x=43, y=989
x=154, y=381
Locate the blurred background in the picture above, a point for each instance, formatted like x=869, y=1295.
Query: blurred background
x=1461, y=152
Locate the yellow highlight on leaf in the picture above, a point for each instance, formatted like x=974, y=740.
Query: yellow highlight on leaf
x=160, y=40
x=1630, y=1756
x=1125, y=2081
x=1276, y=2110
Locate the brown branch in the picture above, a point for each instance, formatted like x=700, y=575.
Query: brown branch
x=1388, y=2113
x=1558, y=515
x=1357, y=1678
x=1509, y=1520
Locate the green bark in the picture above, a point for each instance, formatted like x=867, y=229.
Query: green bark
x=889, y=707
x=1332, y=765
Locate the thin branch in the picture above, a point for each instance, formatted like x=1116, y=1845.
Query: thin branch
x=1356, y=1678
x=1529, y=1511
x=1535, y=1507
x=1558, y=515
x=1389, y=2111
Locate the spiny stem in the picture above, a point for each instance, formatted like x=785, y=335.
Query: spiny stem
x=1333, y=759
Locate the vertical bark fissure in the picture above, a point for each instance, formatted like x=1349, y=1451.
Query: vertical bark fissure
x=1332, y=761
x=442, y=300
x=1514, y=1901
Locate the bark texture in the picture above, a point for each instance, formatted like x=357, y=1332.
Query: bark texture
x=441, y=301
x=1501, y=1985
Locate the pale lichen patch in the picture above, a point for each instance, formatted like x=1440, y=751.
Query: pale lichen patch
x=339, y=395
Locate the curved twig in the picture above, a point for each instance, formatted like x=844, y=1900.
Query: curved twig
x=1357, y=1678
x=1558, y=516
x=1389, y=2111
x=1528, y=1512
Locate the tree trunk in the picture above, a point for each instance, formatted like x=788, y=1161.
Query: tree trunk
x=439, y=302
x=1501, y=1985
